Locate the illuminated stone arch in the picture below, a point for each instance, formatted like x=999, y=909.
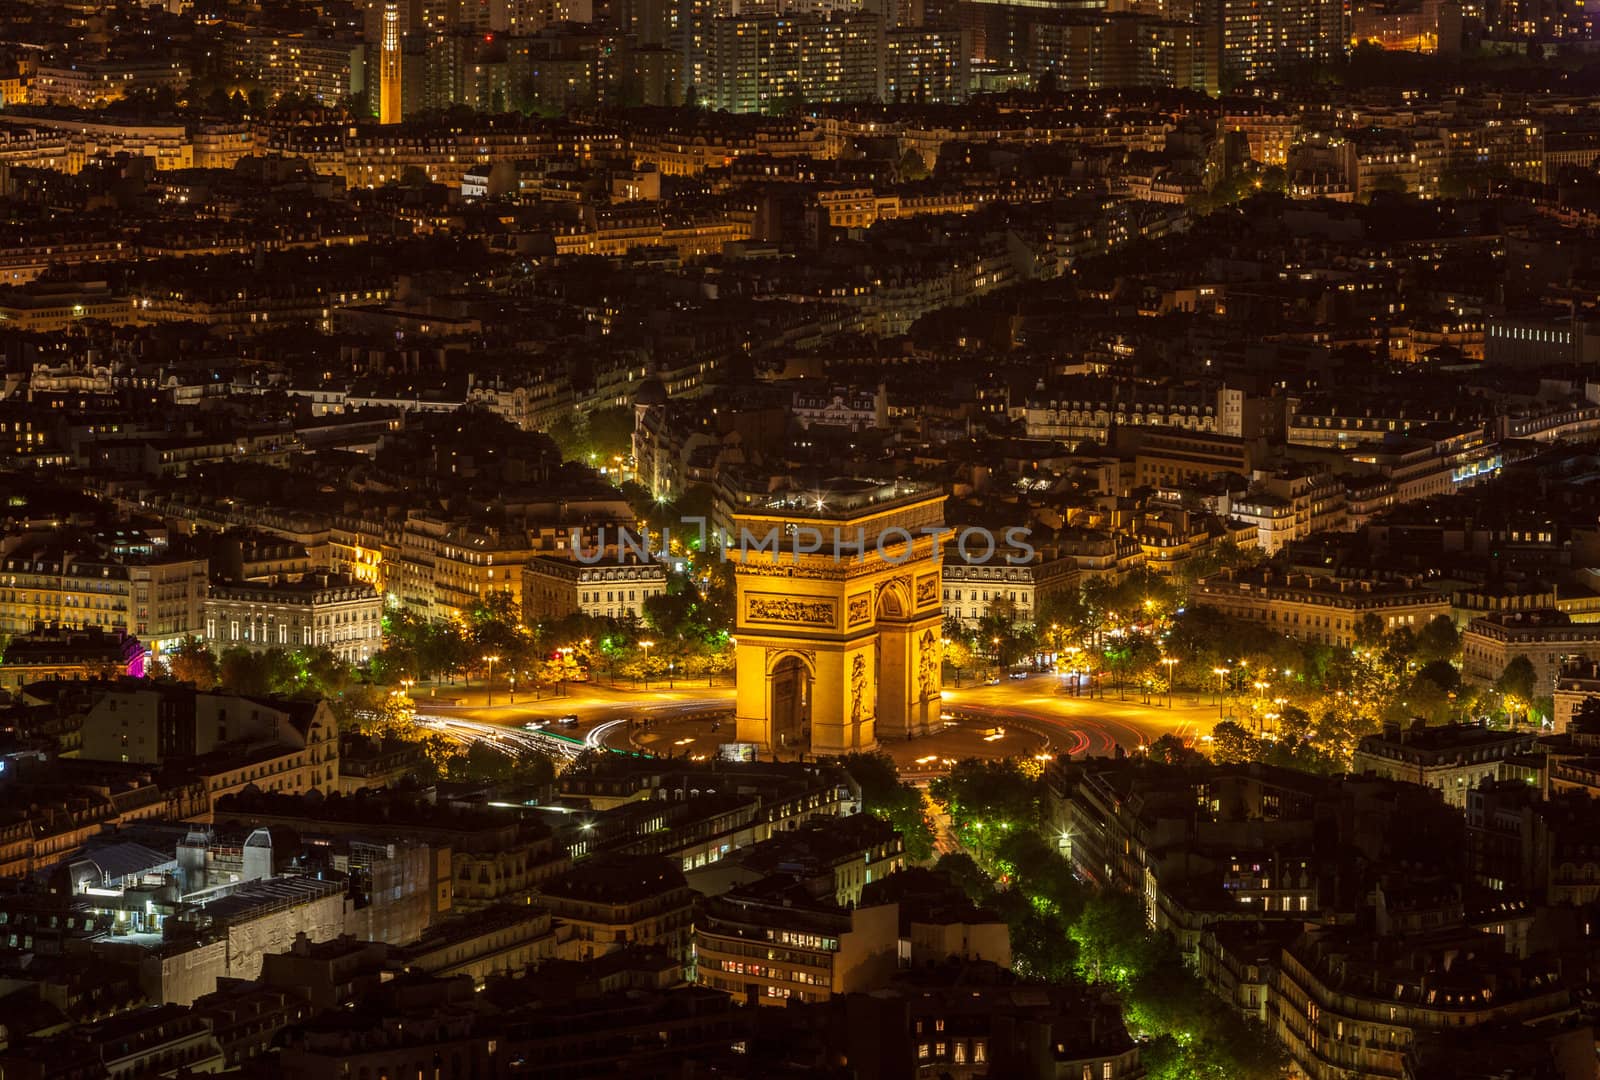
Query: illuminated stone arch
x=835, y=652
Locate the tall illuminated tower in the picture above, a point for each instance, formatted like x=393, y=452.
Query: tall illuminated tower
x=389, y=66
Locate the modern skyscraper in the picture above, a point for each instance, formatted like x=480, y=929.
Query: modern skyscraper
x=927, y=64
x=765, y=62
x=1259, y=38
x=1095, y=52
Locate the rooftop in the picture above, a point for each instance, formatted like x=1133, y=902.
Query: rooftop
x=617, y=879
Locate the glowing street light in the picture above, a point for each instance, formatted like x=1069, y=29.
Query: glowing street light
x=647, y=646
x=1221, y=673
x=1169, y=662
x=489, y=679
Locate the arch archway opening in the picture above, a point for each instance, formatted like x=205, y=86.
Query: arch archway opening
x=789, y=685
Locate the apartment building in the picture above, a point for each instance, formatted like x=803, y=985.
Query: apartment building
x=614, y=901
x=1549, y=639
x=972, y=589
x=47, y=653
x=773, y=942
x=1162, y=458
x=1576, y=683
x=1344, y=1005
x=319, y=610
x=88, y=84
x=154, y=598
x=226, y=741
x=1321, y=609
x=1452, y=759
x=554, y=588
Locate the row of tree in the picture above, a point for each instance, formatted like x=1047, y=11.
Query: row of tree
x=386, y=716
x=1067, y=933
x=680, y=636
x=1311, y=701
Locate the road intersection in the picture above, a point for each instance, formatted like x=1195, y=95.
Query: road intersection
x=1016, y=716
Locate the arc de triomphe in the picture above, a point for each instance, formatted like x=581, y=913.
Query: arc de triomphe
x=839, y=617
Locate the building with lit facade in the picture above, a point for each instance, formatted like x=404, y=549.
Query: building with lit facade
x=773, y=942
x=927, y=64
x=1435, y=27
x=320, y=610
x=1451, y=759
x=374, y=156
x=293, y=65
x=1344, y=1005
x=611, y=902
x=1577, y=683
x=973, y=590
x=838, y=856
x=1090, y=408
x=756, y=63
x=1549, y=639
x=46, y=653
x=554, y=588
x=1163, y=459
x=1320, y=609
x=156, y=599
x=1270, y=132
x=87, y=84
x=1539, y=20
x=74, y=141
x=967, y=1022
x=1258, y=40
x=1540, y=339
x=1098, y=51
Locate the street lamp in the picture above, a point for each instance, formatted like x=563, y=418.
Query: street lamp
x=406, y=685
x=646, y=646
x=565, y=652
x=1169, y=662
x=489, y=679
x=1221, y=673
x=995, y=641
x=944, y=658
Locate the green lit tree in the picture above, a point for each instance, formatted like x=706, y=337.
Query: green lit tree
x=1517, y=686
x=1232, y=744
x=1439, y=641
x=885, y=795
